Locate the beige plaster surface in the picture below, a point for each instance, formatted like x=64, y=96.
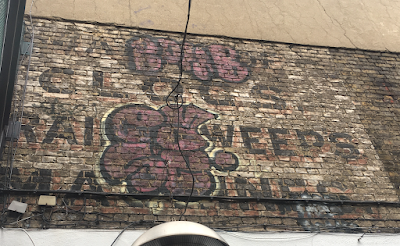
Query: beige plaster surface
x=365, y=24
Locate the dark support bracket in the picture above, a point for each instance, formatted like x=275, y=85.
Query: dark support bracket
x=10, y=58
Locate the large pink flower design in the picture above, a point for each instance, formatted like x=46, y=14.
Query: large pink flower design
x=144, y=153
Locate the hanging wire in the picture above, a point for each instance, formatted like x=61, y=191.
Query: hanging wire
x=27, y=218
x=179, y=103
x=369, y=231
x=178, y=84
x=28, y=236
x=126, y=227
x=121, y=233
x=188, y=166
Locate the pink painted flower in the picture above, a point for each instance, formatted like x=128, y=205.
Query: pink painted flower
x=190, y=117
x=145, y=155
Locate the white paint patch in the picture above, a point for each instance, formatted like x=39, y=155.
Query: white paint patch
x=341, y=98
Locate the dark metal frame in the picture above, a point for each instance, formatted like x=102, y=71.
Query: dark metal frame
x=9, y=62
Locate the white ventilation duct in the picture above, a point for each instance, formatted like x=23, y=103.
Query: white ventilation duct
x=180, y=233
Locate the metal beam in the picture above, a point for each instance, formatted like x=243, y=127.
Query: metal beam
x=10, y=58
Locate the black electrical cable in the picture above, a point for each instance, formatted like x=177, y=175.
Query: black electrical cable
x=230, y=227
x=180, y=62
x=201, y=197
x=190, y=170
x=227, y=221
x=178, y=97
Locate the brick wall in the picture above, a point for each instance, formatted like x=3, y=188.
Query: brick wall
x=265, y=127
